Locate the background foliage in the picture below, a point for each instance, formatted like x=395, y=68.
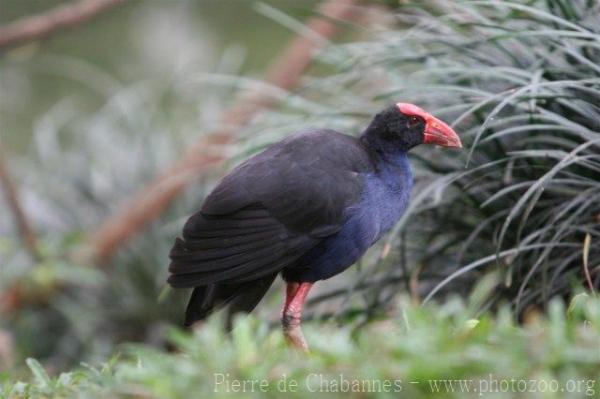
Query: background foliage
x=521, y=84
x=422, y=352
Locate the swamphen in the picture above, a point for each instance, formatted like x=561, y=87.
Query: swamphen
x=307, y=207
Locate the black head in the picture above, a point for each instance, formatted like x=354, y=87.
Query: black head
x=403, y=126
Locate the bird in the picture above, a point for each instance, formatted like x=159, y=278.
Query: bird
x=306, y=208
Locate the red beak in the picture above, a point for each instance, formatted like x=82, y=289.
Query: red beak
x=436, y=131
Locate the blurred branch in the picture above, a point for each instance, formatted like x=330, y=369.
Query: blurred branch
x=41, y=26
x=6, y=350
x=12, y=198
x=284, y=72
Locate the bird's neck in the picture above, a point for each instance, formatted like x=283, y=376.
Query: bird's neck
x=382, y=154
x=395, y=171
x=391, y=165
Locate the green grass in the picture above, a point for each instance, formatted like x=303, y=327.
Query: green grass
x=519, y=208
x=410, y=350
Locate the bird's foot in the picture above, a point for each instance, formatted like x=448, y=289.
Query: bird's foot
x=293, y=332
x=291, y=313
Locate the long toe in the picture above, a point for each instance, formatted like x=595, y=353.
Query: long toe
x=293, y=334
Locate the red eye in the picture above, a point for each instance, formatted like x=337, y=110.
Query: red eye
x=413, y=121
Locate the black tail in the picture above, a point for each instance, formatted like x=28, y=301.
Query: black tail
x=238, y=297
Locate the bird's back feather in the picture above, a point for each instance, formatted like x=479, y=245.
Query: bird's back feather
x=264, y=215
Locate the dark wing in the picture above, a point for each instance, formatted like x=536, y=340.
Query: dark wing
x=270, y=210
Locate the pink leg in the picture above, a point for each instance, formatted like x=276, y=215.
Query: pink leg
x=292, y=311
